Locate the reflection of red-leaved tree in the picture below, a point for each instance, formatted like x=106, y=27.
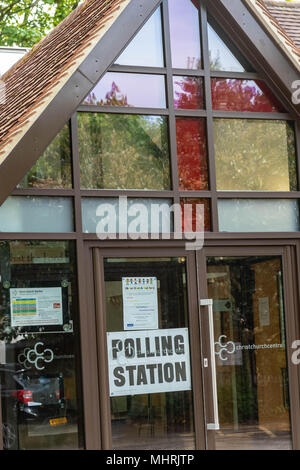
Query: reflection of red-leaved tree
x=191, y=135
x=191, y=154
x=243, y=95
x=188, y=93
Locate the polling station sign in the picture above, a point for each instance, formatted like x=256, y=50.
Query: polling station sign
x=142, y=362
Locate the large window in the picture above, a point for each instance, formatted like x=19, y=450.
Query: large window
x=39, y=357
x=188, y=120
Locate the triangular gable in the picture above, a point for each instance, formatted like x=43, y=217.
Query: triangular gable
x=94, y=34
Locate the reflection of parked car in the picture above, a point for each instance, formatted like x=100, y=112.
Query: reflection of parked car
x=29, y=399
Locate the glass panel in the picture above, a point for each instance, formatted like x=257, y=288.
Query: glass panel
x=36, y=214
x=53, y=169
x=150, y=387
x=123, y=151
x=150, y=35
x=255, y=155
x=250, y=349
x=223, y=55
x=207, y=216
x=185, y=34
x=191, y=154
x=243, y=95
x=102, y=215
x=258, y=215
x=129, y=89
x=188, y=93
x=39, y=356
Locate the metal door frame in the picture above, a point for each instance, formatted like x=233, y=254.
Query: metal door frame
x=290, y=287
x=96, y=255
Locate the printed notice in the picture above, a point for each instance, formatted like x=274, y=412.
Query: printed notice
x=140, y=305
x=142, y=362
x=264, y=311
x=36, y=306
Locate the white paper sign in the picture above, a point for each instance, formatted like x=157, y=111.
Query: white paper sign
x=36, y=306
x=140, y=305
x=264, y=311
x=142, y=362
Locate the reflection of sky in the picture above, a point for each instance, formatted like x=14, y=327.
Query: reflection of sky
x=146, y=48
x=185, y=34
x=141, y=90
x=220, y=54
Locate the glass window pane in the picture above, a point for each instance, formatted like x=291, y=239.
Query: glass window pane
x=150, y=35
x=123, y=151
x=258, y=215
x=105, y=215
x=188, y=93
x=185, y=34
x=129, y=89
x=243, y=95
x=251, y=353
x=39, y=361
x=191, y=154
x=36, y=214
x=255, y=155
x=151, y=411
x=53, y=169
x=223, y=55
x=193, y=223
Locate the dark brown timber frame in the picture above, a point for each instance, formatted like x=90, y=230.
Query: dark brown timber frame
x=273, y=67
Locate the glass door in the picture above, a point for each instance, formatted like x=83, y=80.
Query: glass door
x=250, y=336
x=148, y=311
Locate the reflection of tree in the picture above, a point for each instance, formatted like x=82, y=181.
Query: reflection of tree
x=242, y=95
x=53, y=168
x=112, y=98
x=123, y=151
x=215, y=62
x=188, y=93
x=255, y=155
x=191, y=154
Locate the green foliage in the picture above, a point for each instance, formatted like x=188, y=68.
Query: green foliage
x=120, y=151
x=25, y=22
x=255, y=155
x=53, y=168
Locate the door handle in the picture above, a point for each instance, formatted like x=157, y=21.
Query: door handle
x=209, y=303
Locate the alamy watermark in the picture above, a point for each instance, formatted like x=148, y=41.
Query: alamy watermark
x=130, y=219
x=296, y=353
x=296, y=92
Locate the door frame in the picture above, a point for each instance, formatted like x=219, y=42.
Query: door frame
x=96, y=255
x=289, y=255
x=96, y=423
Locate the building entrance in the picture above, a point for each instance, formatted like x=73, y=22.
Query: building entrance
x=195, y=349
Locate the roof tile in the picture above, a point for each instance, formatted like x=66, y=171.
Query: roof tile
x=30, y=80
x=288, y=16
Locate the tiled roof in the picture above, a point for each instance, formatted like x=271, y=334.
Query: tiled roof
x=262, y=10
x=288, y=16
x=36, y=78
